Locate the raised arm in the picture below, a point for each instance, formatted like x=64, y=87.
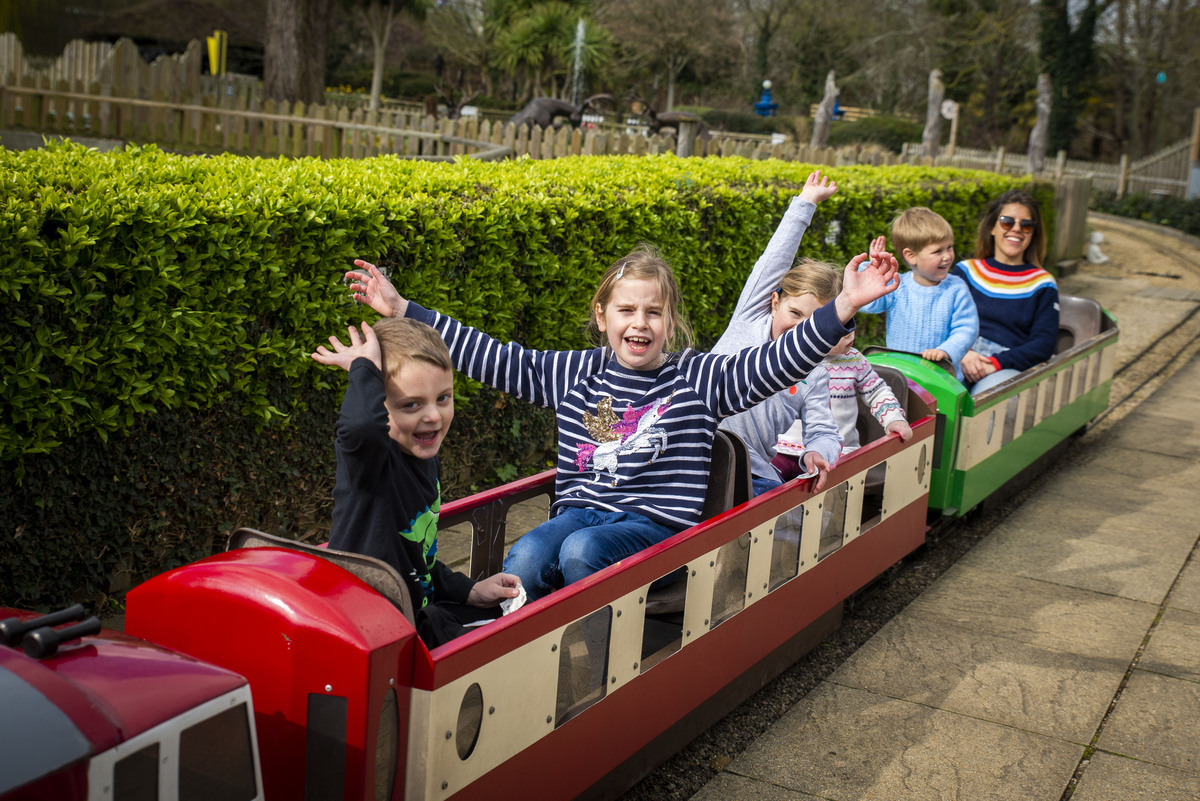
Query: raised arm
x=371, y=287
x=867, y=278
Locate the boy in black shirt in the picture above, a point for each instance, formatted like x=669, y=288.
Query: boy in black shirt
x=396, y=412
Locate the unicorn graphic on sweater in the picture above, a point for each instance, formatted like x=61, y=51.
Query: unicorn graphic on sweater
x=634, y=431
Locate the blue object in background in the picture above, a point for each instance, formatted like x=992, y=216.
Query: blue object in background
x=764, y=107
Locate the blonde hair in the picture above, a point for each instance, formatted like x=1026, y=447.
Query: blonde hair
x=645, y=262
x=402, y=340
x=821, y=279
x=919, y=227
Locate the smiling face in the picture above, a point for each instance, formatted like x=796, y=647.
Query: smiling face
x=1011, y=244
x=635, y=324
x=420, y=406
x=932, y=263
x=788, y=312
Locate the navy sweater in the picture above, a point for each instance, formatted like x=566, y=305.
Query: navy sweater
x=1018, y=308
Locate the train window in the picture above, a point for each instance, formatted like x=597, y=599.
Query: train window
x=387, y=745
x=833, y=519
x=785, y=547
x=1048, y=387
x=470, y=720
x=872, y=505
x=216, y=761
x=922, y=464
x=1010, y=419
x=1031, y=407
x=582, y=665
x=662, y=626
x=135, y=778
x=729, y=584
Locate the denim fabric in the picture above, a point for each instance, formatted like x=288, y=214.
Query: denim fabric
x=762, y=485
x=992, y=379
x=576, y=543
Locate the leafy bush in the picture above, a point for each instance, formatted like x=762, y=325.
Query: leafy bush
x=1183, y=215
x=891, y=132
x=157, y=313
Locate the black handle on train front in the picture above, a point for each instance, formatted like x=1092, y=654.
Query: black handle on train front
x=12, y=629
x=44, y=642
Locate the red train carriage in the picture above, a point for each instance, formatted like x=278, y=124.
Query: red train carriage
x=90, y=714
x=578, y=693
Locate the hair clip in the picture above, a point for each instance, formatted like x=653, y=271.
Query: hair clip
x=621, y=271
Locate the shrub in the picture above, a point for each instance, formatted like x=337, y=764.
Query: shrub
x=157, y=313
x=1183, y=215
x=891, y=132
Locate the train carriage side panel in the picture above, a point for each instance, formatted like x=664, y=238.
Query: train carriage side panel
x=328, y=659
x=490, y=714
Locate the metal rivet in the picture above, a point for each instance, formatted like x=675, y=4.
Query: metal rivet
x=554, y=648
x=756, y=539
x=328, y=688
x=693, y=573
x=549, y=718
x=710, y=564
x=705, y=623
x=392, y=682
x=449, y=734
x=614, y=679
x=764, y=585
x=749, y=595
x=618, y=613
x=445, y=785
x=641, y=600
x=635, y=665
x=491, y=710
x=689, y=633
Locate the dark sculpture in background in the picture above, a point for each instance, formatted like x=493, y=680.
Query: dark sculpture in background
x=548, y=111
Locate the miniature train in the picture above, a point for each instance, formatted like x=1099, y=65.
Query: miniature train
x=583, y=692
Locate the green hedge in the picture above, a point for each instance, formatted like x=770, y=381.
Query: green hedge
x=158, y=313
x=1174, y=212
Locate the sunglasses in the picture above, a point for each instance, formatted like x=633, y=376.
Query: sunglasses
x=1006, y=224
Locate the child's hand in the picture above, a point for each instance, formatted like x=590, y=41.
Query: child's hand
x=373, y=289
x=344, y=355
x=494, y=589
x=935, y=355
x=863, y=284
x=877, y=248
x=900, y=427
x=814, y=461
x=817, y=188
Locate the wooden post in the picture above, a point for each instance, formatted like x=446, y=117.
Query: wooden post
x=1060, y=166
x=685, y=143
x=1122, y=175
x=1193, y=188
x=999, y=160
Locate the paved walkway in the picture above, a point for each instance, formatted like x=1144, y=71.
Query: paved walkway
x=1067, y=642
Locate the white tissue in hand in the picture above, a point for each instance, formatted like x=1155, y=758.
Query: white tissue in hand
x=509, y=605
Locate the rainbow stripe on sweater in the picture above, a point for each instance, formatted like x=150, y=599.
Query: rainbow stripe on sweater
x=1021, y=283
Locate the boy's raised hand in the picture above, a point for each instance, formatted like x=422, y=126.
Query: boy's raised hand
x=372, y=288
x=867, y=278
x=817, y=188
x=364, y=346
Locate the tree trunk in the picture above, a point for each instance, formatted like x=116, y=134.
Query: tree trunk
x=932, y=136
x=315, y=40
x=824, y=118
x=281, y=50
x=1040, y=136
x=379, y=16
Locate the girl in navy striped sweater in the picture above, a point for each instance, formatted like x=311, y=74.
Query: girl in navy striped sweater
x=636, y=417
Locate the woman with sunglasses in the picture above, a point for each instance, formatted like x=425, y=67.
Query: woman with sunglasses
x=1017, y=299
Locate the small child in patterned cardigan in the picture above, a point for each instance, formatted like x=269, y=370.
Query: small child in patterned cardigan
x=851, y=376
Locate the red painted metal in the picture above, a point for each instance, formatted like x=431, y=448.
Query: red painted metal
x=299, y=625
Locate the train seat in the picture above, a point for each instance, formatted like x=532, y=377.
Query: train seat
x=729, y=484
x=1078, y=321
x=377, y=574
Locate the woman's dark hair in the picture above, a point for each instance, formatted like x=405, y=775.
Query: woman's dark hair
x=985, y=244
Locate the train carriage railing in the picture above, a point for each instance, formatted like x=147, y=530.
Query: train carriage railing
x=987, y=440
x=579, y=688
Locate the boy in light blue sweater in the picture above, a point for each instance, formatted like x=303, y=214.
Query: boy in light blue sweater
x=932, y=312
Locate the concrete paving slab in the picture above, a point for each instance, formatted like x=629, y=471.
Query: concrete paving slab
x=1186, y=594
x=1157, y=719
x=1141, y=469
x=1174, y=648
x=730, y=785
x=958, y=669
x=845, y=744
x=1110, y=777
x=1131, y=545
x=1036, y=613
x=1160, y=431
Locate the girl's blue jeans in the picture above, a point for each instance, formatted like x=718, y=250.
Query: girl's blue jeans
x=576, y=543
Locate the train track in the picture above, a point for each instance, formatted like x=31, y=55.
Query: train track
x=1134, y=381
